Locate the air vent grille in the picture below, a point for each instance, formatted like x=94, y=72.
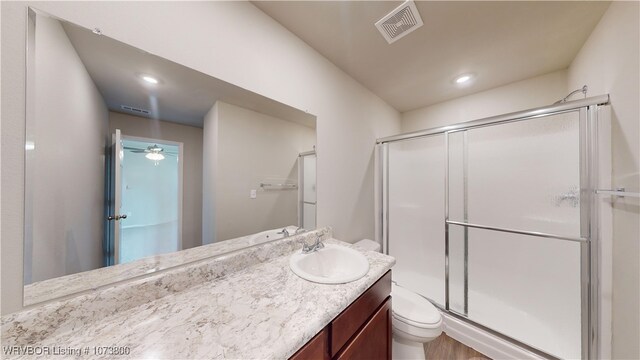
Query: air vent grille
x=134, y=110
x=400, y=22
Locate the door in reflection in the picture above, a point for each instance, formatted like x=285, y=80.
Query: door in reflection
x=146, y=187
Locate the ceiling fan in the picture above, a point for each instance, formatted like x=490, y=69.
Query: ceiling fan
x=153, y=152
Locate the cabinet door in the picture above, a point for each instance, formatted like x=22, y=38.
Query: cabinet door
x=346, y=325
x=374, y=340
x=316, y=349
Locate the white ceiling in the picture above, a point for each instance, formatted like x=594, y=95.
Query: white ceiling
x=499, y=42
x=183, y=96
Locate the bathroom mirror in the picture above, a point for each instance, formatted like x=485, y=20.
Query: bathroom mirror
x=135, y=164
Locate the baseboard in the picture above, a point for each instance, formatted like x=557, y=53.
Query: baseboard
x=484, y=342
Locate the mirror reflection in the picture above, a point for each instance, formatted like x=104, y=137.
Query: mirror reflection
x=134, y=162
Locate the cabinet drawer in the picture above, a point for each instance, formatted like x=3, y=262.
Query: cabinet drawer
x=345, y=325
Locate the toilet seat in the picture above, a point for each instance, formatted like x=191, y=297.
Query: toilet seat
x=418, y=324
x=413, y=309
x=413, y=316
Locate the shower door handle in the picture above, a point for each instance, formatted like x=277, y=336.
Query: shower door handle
x=116, y=217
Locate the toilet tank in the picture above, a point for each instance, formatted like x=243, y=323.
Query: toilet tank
x=369, y=245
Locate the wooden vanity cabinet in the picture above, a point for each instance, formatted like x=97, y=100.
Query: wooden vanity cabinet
x=316, y=349
x=374, y=340
x=361, y=331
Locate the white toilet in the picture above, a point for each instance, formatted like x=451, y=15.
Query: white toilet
x=416, y=320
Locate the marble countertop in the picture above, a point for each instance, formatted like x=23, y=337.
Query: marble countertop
x=262, y=310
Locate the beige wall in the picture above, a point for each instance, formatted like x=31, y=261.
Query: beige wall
x=264, y=58
x=191, y=137
x=252, y=148
x=526, y=94
x=609, y=63
x=67, y=182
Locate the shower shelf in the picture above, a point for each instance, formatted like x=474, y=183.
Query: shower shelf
x=618, y=192
x=278, y=186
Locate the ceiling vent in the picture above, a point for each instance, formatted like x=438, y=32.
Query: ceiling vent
x=133, y=110
x=400, y=22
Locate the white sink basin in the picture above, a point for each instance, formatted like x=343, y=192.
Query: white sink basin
x=333, y=264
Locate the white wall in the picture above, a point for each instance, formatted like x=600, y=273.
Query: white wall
x=526, y=94
x=67, y=183
x=253, y=148
x=214, y=38
x=608, y=63
x=191, y=137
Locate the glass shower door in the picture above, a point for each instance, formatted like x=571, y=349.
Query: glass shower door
x=415, y=197
x=515, y=236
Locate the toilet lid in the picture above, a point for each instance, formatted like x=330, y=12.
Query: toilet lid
x=413, y=307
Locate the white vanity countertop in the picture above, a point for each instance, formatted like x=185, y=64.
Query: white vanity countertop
x=261, y=311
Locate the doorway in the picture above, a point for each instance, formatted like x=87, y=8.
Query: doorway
x=145, y=212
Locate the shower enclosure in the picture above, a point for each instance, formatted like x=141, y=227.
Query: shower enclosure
x=495, y=221
x=307, y=190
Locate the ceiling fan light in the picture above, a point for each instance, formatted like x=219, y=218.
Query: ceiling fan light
x=154, y=156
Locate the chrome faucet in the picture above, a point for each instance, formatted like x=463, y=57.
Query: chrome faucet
x=284, y=232
x=306, y=249
x=299, y=230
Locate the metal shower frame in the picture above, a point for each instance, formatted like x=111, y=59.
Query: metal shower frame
x=588, y=239
x=301, y=202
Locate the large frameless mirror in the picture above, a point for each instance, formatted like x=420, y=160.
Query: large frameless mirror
x=135, y=163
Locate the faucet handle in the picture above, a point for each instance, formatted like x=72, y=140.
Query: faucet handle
x=319, y=243
x=306, y=248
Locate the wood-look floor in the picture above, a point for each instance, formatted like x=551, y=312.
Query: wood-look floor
x=446, y=348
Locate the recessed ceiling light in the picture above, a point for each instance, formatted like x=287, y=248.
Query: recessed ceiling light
x=462, y=79
x=149, y=79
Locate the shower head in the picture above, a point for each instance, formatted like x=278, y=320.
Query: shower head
x=582, y=90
